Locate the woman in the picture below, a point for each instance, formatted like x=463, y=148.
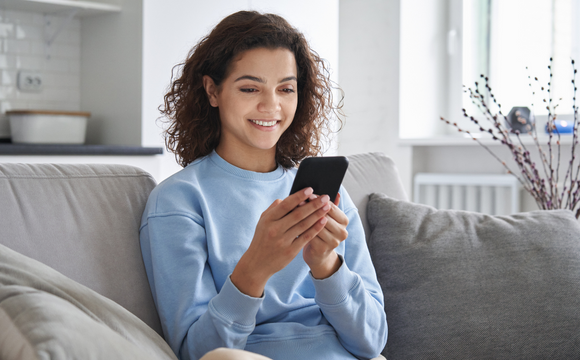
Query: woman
x=230, y=264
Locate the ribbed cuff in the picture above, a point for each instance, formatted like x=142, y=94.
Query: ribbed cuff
x=335, y=289
x=235, y=307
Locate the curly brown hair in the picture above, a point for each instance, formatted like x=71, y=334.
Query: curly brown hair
x=194, y=125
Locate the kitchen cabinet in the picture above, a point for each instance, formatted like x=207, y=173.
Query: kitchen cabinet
x=109, y=66
x=84, y=8
x=110, y=86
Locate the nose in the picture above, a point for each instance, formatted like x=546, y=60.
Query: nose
x=269, y=102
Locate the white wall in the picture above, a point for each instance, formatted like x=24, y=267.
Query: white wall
x=369, y=42
x=172, y=27
x=111, y=56
x=423, y=69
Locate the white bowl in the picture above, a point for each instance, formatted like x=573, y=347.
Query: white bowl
x=47, y=127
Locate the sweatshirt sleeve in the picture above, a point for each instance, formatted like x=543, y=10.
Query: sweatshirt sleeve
x=351, y=299
x=196, y=317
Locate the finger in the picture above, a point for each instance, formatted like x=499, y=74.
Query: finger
x=274, y=204
x=302, y=212
x=312, y=197
x=291, y=202
x=333, y=231
x=298, y=215
x=331, y=225
x=300, y=227
x=268, y=212
x=317, y=245
x=337, y=199
x=338, y=215
x=323, y=243
x=310, y=234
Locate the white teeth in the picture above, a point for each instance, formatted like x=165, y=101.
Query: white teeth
x=264, y=123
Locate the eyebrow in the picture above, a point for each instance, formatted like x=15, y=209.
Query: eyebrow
x=260, y=80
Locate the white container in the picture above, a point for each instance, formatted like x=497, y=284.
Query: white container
x=4, y=128
x=48, y=127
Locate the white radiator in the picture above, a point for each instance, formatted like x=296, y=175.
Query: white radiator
x=488, y=194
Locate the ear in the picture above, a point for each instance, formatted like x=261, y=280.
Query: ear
x=211, y=90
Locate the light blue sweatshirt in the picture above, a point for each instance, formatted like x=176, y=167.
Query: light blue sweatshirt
x=196, y=226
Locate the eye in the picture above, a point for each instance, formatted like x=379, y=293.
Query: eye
x=248, y=90
x=288, y=90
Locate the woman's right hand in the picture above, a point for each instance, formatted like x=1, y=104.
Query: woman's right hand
x=282, y=231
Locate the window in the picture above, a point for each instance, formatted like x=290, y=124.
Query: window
x=509, y=40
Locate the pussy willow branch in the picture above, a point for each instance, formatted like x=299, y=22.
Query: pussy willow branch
x=544, y=190
x=548, y=160
x=572, y=195
x=535, y=128
x=521, y=154
x=554, y=185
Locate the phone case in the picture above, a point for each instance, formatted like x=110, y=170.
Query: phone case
x=323, y=174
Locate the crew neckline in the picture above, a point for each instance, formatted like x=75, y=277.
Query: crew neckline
x=247, y=174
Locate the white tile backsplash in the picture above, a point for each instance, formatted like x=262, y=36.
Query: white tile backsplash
x=23, y=47
x=6, y=29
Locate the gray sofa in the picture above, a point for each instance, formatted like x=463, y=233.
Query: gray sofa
x=457, y=285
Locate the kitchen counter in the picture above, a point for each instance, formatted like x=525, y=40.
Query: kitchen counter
x=34, y=149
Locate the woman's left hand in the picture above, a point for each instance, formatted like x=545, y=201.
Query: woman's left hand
x=319, y=254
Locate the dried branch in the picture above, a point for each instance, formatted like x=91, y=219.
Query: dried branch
x=543, y=188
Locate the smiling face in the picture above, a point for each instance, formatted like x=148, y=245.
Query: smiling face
x=257, y=102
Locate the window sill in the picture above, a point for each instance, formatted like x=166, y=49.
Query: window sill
x=453, y=140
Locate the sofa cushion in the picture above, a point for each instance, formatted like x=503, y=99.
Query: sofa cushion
x=44, y=314
x=463, y=285
x=82, y=220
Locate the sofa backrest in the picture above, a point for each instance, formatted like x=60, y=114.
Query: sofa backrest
x=371, y=173
x=83, y=221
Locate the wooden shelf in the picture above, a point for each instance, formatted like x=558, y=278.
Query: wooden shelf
x=85, y=8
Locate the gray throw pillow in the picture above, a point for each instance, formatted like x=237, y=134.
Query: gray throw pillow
x=463, y=285
x=45, y=315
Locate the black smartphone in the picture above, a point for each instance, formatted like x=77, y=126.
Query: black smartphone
x=323, y=174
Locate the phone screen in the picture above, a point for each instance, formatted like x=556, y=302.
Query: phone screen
x=323, y=174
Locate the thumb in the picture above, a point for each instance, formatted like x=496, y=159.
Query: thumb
x=274, y=204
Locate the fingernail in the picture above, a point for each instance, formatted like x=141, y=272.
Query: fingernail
x=326, y=207
x=325, y=199
x=323, y=220
x=312, y=197
x=308, y=191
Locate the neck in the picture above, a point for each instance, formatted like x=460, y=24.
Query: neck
x=256, y=160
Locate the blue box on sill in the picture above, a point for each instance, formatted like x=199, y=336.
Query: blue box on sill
x=562, y=127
